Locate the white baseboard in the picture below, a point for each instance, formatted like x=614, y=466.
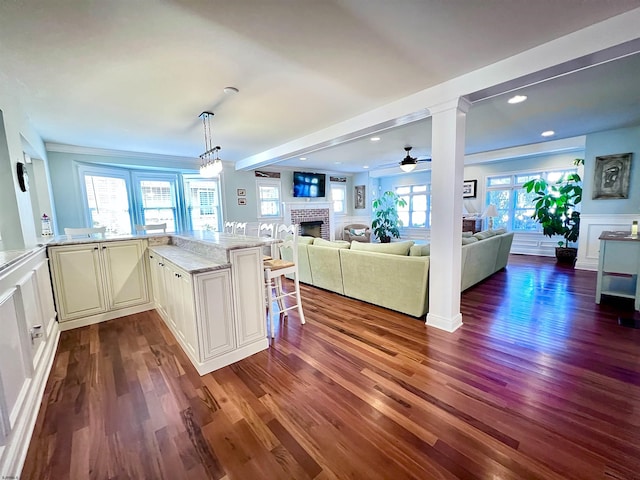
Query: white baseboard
x=103, y=317
x=443, y=323
x=16, y=450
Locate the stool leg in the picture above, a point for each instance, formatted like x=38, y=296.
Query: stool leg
x=298, y=300
x=281, y=304
x=269, y=292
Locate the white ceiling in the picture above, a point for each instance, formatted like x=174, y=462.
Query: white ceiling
x=134, y=76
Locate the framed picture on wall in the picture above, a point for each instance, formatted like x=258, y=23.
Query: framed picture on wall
x=469, y=188
x=612, y=176
x=359, y=200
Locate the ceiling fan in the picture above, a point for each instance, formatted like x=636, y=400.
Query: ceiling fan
x=409, y=163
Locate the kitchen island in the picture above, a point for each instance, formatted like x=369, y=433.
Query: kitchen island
x=207, y=286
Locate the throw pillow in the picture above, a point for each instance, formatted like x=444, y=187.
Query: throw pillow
x=358, y=232
x=484, y=234
x=500, y=231
x=420, y=250
x=393, y=248
x=468, y=240
x=305, y=240
x=326, y=243
x=467, y=234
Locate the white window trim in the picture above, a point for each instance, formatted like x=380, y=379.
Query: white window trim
x=105, y=171
x=515, y=186
x=269, y=182
x=343, y=187
x=410, y=204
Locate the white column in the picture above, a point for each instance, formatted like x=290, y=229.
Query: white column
x=447, y=169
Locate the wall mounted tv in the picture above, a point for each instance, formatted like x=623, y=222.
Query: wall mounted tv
x=309, y=185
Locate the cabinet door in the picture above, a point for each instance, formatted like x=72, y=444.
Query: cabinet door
x=77, y=280
x=168, y=274
x=156, y=262
x=248, y=278
x=125, y=273
x=215, y=314
x=186, y=313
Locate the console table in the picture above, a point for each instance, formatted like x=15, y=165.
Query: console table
x=471, y=225
x=619, y=266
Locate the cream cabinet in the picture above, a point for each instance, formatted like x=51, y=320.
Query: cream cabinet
x=217, y=336
x=93, y=280
x=158, y=291
x=179, y=306
x=197, y=308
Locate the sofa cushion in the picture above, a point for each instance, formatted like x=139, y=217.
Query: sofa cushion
x=484, y=234
x=306, y=240
x=420, y=250
x=500, y=231
x=319, y=242
x=393, y=248
x=468, y=240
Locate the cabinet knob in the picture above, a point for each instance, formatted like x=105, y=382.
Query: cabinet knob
x=95, y=248
x=150, y=256
x=104, y=247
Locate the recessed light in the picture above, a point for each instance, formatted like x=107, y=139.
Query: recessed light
x=365, y=166
x=548, y=133
x=230, y=90
x=303, y=158
x=375, y=139
x=337, y=163
x=517, y=99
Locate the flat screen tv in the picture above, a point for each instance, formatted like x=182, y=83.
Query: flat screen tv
x=308, y=185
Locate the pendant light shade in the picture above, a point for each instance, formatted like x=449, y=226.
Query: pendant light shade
x=210, y=163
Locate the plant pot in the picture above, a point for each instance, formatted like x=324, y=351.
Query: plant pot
x=385, y=239
x=566, y=255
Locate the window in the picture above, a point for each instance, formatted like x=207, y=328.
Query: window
x=339, y=198
x=268, y=197
x=202, y=199
x=158, y=202
x=514, y=204
x=417, y=212
x=106, y=195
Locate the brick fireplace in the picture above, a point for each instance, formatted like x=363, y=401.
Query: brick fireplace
x=311, y=212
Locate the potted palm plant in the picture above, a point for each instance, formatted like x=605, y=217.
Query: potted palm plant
x=555, y=209
x=386, y=222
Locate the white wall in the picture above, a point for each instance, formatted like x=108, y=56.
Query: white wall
x=17, y=226
x=610, y=214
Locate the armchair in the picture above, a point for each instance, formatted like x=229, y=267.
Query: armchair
x=357, y=232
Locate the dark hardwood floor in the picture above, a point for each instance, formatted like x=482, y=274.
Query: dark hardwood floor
x=539, y=383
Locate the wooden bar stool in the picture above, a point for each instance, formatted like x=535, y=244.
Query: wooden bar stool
x=275, y=269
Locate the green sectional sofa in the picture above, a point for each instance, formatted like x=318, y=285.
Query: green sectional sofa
x=395, y=275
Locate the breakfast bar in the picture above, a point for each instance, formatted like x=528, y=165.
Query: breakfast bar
x=207, y=287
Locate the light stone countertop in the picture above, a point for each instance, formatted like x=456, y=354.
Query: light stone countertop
x=186, y=260
x=211, y=254
x=624, y=236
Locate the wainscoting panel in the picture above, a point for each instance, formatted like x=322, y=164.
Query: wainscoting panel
x=591, y=227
